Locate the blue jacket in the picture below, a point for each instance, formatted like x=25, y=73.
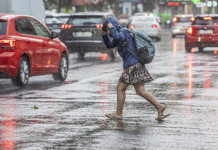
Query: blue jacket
x=119, y=34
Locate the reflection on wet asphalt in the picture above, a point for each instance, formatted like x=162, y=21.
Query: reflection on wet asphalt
x=71, y=114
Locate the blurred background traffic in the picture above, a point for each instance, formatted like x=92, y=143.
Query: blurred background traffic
x=164, y=10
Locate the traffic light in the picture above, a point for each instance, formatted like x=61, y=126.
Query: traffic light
x=46, y=0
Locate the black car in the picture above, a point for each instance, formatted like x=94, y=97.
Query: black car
x=81, y=33
x=55, y=20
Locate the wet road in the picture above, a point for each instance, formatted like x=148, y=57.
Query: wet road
x=70, y=115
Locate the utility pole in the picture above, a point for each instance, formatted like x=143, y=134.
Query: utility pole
x=46, y=4
x=59, y=6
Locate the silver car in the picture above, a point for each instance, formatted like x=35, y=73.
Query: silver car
x=158, y=19
x=180, y=24
x=147, y=25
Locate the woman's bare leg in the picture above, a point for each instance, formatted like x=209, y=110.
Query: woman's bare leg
x=121, y=96
x=140, y=90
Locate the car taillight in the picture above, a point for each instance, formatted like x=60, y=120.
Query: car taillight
x=99, y=25
x=189, y=30
x=7, y=43
x=175, y=19
x=154, y=26
x=192, y=18
x=131, y=26
x=207, y=18
x=66, y=26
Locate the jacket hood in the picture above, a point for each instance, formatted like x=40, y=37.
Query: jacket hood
x=113, y=22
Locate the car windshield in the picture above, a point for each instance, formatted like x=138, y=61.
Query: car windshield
x=206, y=21
x=144, y=14
x=63, y=19
x=52, y=20
x=85, y=20
x=3, y=26
x=143, y=19
x=183, y=19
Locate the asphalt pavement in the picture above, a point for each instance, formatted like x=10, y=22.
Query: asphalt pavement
x=70, y=115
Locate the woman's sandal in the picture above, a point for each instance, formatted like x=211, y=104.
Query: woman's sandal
x=113, y=117
x=162, y=117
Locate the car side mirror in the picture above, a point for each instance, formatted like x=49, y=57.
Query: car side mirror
x=53, y=35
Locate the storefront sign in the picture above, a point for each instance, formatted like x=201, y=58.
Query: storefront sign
x=200, y=4
x=211, y=4
x=128, y=0
x=78, y=2
x=179, y=1
x=173, y=3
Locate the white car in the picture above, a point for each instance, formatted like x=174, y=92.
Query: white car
x=149, y=14
x=180, y=24
x=147, y=25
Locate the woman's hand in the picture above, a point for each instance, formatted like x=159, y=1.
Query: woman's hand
x=102, y=32
x=109, y=25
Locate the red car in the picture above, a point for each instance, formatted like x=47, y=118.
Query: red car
x=27, y=48
x=202, y=33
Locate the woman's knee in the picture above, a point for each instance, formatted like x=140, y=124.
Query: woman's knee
x=141, y=92
x=138, y=92
x=120, y=87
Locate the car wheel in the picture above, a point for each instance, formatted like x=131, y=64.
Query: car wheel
x=188, y=48
x=63, y=69
x=23, y=73
x=113, y=53
x=173, y=36
x=81, y=55
x=200, y=49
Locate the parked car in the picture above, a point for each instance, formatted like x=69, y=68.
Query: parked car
x=81, y=33
x=147, y=14
x=147, y=25
x=27, y=48
x=180, y=24
x=33, y=8
x=124, y=20
x=124, y=23
x=62, y=17
x=53, y=24
x=202, y=33
x=55, y=20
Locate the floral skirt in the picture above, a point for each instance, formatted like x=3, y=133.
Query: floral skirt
x=136, y=73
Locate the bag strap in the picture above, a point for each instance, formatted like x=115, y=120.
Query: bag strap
x=128, y=30
x=124, y=45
